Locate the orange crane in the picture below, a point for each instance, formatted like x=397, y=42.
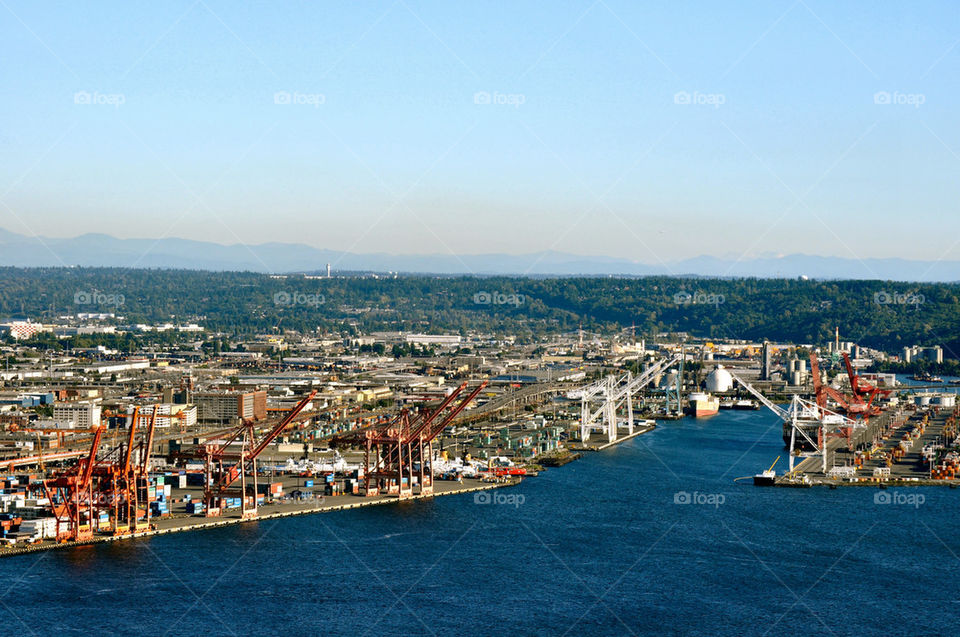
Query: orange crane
x=858, y=405
x=398, y=451
x=112, y=482
x=71, y=496
x=220, y=479
x=861, y=388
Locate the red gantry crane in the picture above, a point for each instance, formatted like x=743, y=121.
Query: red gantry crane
x=111, y=482
x=71, y=496
x=858, y=405
x=226, y=463
x=402, y=449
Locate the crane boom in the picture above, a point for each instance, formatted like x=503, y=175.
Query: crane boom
x=148, y=443
x=435, y=431
x=276, y=431
x=91, y=459
x=133, y=432
x=769, y=404
x=227, y=478
x=420, y=426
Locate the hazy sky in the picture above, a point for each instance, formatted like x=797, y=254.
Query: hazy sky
x=479, y=127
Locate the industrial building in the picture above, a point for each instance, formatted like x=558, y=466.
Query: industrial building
x=77, y=415
x=916, y=353
x=228, y=407
x=448, y=340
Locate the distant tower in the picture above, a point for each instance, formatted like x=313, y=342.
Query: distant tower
x=765, y=362
x=328, y=270
x=836, y=342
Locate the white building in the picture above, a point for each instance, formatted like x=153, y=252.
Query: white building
x=449, y=340
x=172, y=415
x=23, y=329
x=77, y=415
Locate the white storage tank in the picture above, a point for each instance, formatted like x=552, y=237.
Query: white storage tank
x=944, y=400
x=719, y=380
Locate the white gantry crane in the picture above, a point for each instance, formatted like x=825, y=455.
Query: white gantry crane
x=600, y=401
x=810, y=424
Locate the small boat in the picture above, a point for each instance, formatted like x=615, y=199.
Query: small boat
x=767, y=478
x=746, y=404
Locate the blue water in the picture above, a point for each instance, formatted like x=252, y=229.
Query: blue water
x=598, y=547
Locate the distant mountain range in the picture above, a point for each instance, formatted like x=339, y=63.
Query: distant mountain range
x=103, y=250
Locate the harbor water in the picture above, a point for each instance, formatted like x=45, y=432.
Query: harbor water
x=652, y=537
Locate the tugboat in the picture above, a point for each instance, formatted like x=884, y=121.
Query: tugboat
x=766, y=478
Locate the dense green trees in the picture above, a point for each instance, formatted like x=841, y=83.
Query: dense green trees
x=874, y=313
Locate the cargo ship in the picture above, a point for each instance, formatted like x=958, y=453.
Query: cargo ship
x=701, y=405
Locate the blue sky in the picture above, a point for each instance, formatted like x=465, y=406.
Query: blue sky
x=387, y=142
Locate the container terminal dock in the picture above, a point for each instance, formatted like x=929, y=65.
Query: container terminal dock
x=157, y=459
x=913, y=446
x=121, y=490
x=180, y=518
x=113, y=494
